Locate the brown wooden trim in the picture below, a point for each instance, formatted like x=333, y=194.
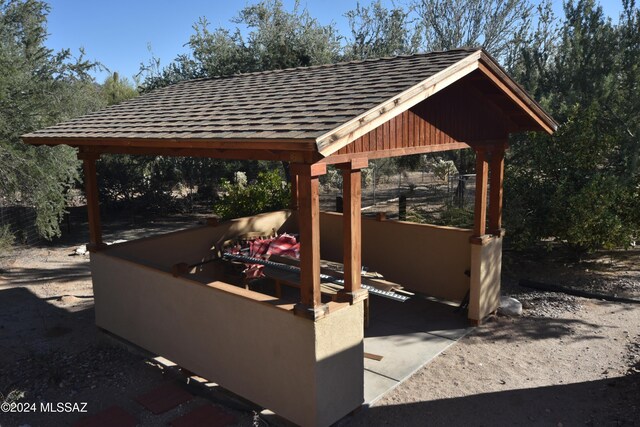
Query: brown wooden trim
x=272, y=155
x=480, y=211
x=302, y=169
x=309, y=228
x=517, y=95
x=294, y=192
x=342, y=158
x=356, y=163
x=496, y=190
x=161, y=143
x=93, y=206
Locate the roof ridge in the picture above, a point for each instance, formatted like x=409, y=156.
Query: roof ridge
x=333, y=64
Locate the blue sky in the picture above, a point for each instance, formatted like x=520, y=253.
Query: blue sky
x=118, y=32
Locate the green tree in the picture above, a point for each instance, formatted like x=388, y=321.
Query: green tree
x=378, y=32
x=492, y=24
x=580, y=186
x=38, y=87
x=276, y=39
x=116, y=89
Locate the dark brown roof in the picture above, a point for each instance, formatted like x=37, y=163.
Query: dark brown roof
x=297, y=103
x=314, y=108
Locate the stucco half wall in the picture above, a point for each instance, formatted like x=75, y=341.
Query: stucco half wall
x=421, y=257
x=308, y=372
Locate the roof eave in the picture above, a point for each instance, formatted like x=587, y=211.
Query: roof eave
x=266, y=144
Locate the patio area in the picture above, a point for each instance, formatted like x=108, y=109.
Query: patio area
x=408, y=336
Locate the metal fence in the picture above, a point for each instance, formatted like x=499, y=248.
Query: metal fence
x=21, y=222
x=424, y=196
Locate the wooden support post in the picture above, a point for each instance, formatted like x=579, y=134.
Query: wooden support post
x=93, y=206
x=351, y=231
x=294, y=191
x=495, y=192
x=309, y=224
x=480, y=211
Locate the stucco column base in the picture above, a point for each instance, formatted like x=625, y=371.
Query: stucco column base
x=486, y=267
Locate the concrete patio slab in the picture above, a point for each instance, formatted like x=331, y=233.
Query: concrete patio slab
x=375, y=385
x=422, y=315
x=403, y=351
x=407, y=336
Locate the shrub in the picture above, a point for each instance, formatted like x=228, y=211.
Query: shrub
x=267, y=193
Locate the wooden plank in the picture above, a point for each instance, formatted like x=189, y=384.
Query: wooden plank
x=399, y=128
x=372, y=356
x=341, y=158
x=93, y=205
x=432, y=131
x=411, y=129
x=386, y=129
x=496, y=190
x=309, y=227
x=273, y=155
x=351, y=234
x=379, y=138
x=405, y=128
x=480, y=211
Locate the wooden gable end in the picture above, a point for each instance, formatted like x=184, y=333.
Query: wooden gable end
x=456, y=117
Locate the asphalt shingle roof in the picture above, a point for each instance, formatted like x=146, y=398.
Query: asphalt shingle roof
x=297, y=103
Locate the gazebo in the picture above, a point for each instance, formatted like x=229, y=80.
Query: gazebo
x=303, y=360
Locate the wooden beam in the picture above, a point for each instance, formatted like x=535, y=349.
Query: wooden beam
x=383, y=154
x=315, y=169
x=288, y=144
x=496, y=190
x=480, y=211
x=309, y=224
x=93, y=205
x=351, y=228
x=273, y=155
x=294, y=192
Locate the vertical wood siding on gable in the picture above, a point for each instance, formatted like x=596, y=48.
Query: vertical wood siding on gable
x=456, y=114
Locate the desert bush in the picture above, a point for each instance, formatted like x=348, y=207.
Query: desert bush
x=267, y=193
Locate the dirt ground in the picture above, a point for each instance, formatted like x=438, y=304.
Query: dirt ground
x=566, y=361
